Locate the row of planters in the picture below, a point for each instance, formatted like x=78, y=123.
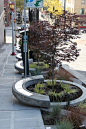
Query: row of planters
x=51, y=45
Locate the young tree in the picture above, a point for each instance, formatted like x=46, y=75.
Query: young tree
x=54, y=43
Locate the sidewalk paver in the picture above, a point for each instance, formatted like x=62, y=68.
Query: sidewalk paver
x=13, y=114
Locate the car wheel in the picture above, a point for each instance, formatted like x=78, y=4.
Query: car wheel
x=84, y=31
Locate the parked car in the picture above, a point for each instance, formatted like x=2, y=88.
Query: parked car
x=83, y=31
x=74, y=31
x=18, y=18
x=19, y=28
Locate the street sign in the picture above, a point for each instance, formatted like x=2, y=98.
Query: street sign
x=34, y=3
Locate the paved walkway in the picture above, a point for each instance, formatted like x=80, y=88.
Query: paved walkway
x=13, y=114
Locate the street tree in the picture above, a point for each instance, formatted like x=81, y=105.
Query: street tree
x=19, y=4
x=53, y=41
x=52, y=5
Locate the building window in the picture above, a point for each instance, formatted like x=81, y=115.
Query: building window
x=82, y=1
x=82, y=11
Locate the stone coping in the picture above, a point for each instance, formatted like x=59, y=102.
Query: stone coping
x=18, y=56
x=27, y=97
x=18, y=49
x=19, y=66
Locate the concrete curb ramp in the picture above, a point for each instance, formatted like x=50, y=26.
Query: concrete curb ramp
x=27, y=97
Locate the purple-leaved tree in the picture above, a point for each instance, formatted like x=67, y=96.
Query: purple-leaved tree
x=53, y=42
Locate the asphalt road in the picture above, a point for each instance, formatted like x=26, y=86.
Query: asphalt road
x=80, y=63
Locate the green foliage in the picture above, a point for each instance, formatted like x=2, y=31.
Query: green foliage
x=32, y=65
x=46, y=65
x=53, y=94
x=39, y=88
x=67, y=88
x=85, y=101
x=49, y=82
x=20, y=42
x=54, y=115
x=39, y=66
x=65, y=124
x=20, y=4
x=82, y=106
x=36, y=72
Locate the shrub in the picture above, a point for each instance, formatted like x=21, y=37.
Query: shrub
x=82, y=108
x=54, y=115
x=75, y=118
x=49, y=82
x=64, y=124
x=68, y=89
x=39, y=88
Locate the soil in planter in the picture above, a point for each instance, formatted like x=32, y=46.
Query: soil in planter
x=58, y=89
x=62, y=74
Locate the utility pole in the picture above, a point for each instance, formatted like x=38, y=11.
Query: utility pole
x=25, y=38
x=64, y=4
x=61, y=6
x=15, y=22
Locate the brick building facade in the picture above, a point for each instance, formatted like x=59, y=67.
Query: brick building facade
x=80, y=9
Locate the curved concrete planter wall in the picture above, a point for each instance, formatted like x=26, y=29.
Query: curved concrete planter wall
x=18, y=50
x=22, y=94
x=19, y=66
x=18, y=56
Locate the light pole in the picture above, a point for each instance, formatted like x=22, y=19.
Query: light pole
x=25, y=38
x=61, y=6
x=15, y=23
x=12, y=8
x=64, y=4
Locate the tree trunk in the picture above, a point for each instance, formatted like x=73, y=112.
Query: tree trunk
x=53, y=74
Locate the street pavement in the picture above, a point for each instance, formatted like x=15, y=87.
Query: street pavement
x=13, y=114
x=80, y=63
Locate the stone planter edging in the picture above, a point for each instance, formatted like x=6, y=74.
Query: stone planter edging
x=27, y=97
x=18, y=49
x=18, y=56
x=19, y=66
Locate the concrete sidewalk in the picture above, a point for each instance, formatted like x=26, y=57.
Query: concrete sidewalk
x=13, y=114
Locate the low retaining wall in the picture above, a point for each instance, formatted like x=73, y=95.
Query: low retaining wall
x=18, y=56
x=19, y=66
x=22, y=94
x=27, y=97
